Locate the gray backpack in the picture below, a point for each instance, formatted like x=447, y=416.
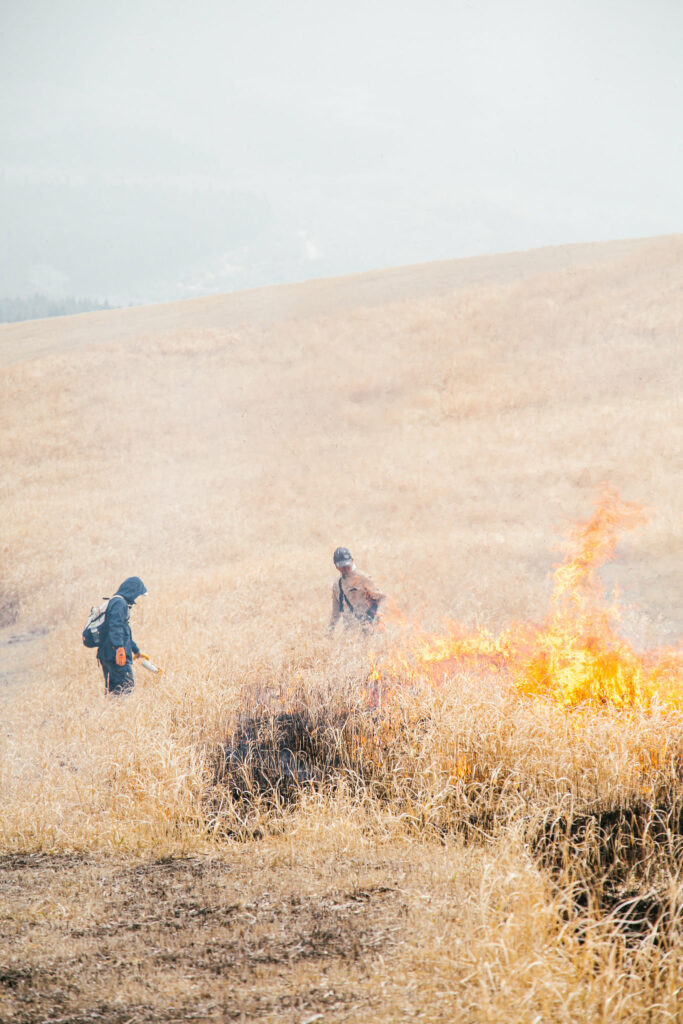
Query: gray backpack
x=95, y=631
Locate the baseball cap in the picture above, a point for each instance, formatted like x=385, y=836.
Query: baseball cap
x=342, y=556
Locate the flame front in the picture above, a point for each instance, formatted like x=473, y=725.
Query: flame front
x=576, y=658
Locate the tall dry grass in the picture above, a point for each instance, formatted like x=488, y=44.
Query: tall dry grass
x=448, y=441
x=558, y=890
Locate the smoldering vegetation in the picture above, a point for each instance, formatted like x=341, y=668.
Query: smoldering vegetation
x=444, y=767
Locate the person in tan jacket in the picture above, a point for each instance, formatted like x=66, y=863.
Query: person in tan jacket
x=355, y=598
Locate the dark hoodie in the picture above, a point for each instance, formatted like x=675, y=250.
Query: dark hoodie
x=117, y=621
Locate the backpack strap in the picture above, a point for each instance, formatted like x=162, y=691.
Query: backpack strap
x=111, y=600
x=342, y=598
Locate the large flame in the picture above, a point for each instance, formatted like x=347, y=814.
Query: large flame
x=576, y=657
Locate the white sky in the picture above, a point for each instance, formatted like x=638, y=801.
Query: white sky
x=153, y=150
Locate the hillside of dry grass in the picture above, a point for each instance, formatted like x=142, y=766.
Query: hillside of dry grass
x=449, y=440
x=448, y=424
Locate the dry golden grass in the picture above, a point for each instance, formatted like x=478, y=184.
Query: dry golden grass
x=444, y=852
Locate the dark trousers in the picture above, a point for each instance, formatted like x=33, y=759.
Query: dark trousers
x=118, y=679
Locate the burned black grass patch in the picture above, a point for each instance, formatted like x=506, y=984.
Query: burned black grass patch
x=273, y=759
x=621, y=862
x=274, y=756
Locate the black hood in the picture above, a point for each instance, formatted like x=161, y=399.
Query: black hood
x=132, y=588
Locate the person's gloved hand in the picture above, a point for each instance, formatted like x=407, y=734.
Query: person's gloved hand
x=121, y=656
x=139, y=654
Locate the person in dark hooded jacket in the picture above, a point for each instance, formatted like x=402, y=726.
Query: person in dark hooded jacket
x=117, y=650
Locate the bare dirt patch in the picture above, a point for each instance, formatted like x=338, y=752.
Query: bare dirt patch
x=186, y=939
x=9, y=608
x=22, y=653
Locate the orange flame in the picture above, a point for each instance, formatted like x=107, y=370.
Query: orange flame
x=576, y=658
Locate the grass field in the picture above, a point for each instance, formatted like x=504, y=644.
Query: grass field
x=474, y=814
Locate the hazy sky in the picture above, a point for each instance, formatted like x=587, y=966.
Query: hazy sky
x=156, y=150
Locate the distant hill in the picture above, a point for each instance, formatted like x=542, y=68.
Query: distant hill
x=334, y=296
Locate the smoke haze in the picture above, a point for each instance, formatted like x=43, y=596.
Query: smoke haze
x=152, y=151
